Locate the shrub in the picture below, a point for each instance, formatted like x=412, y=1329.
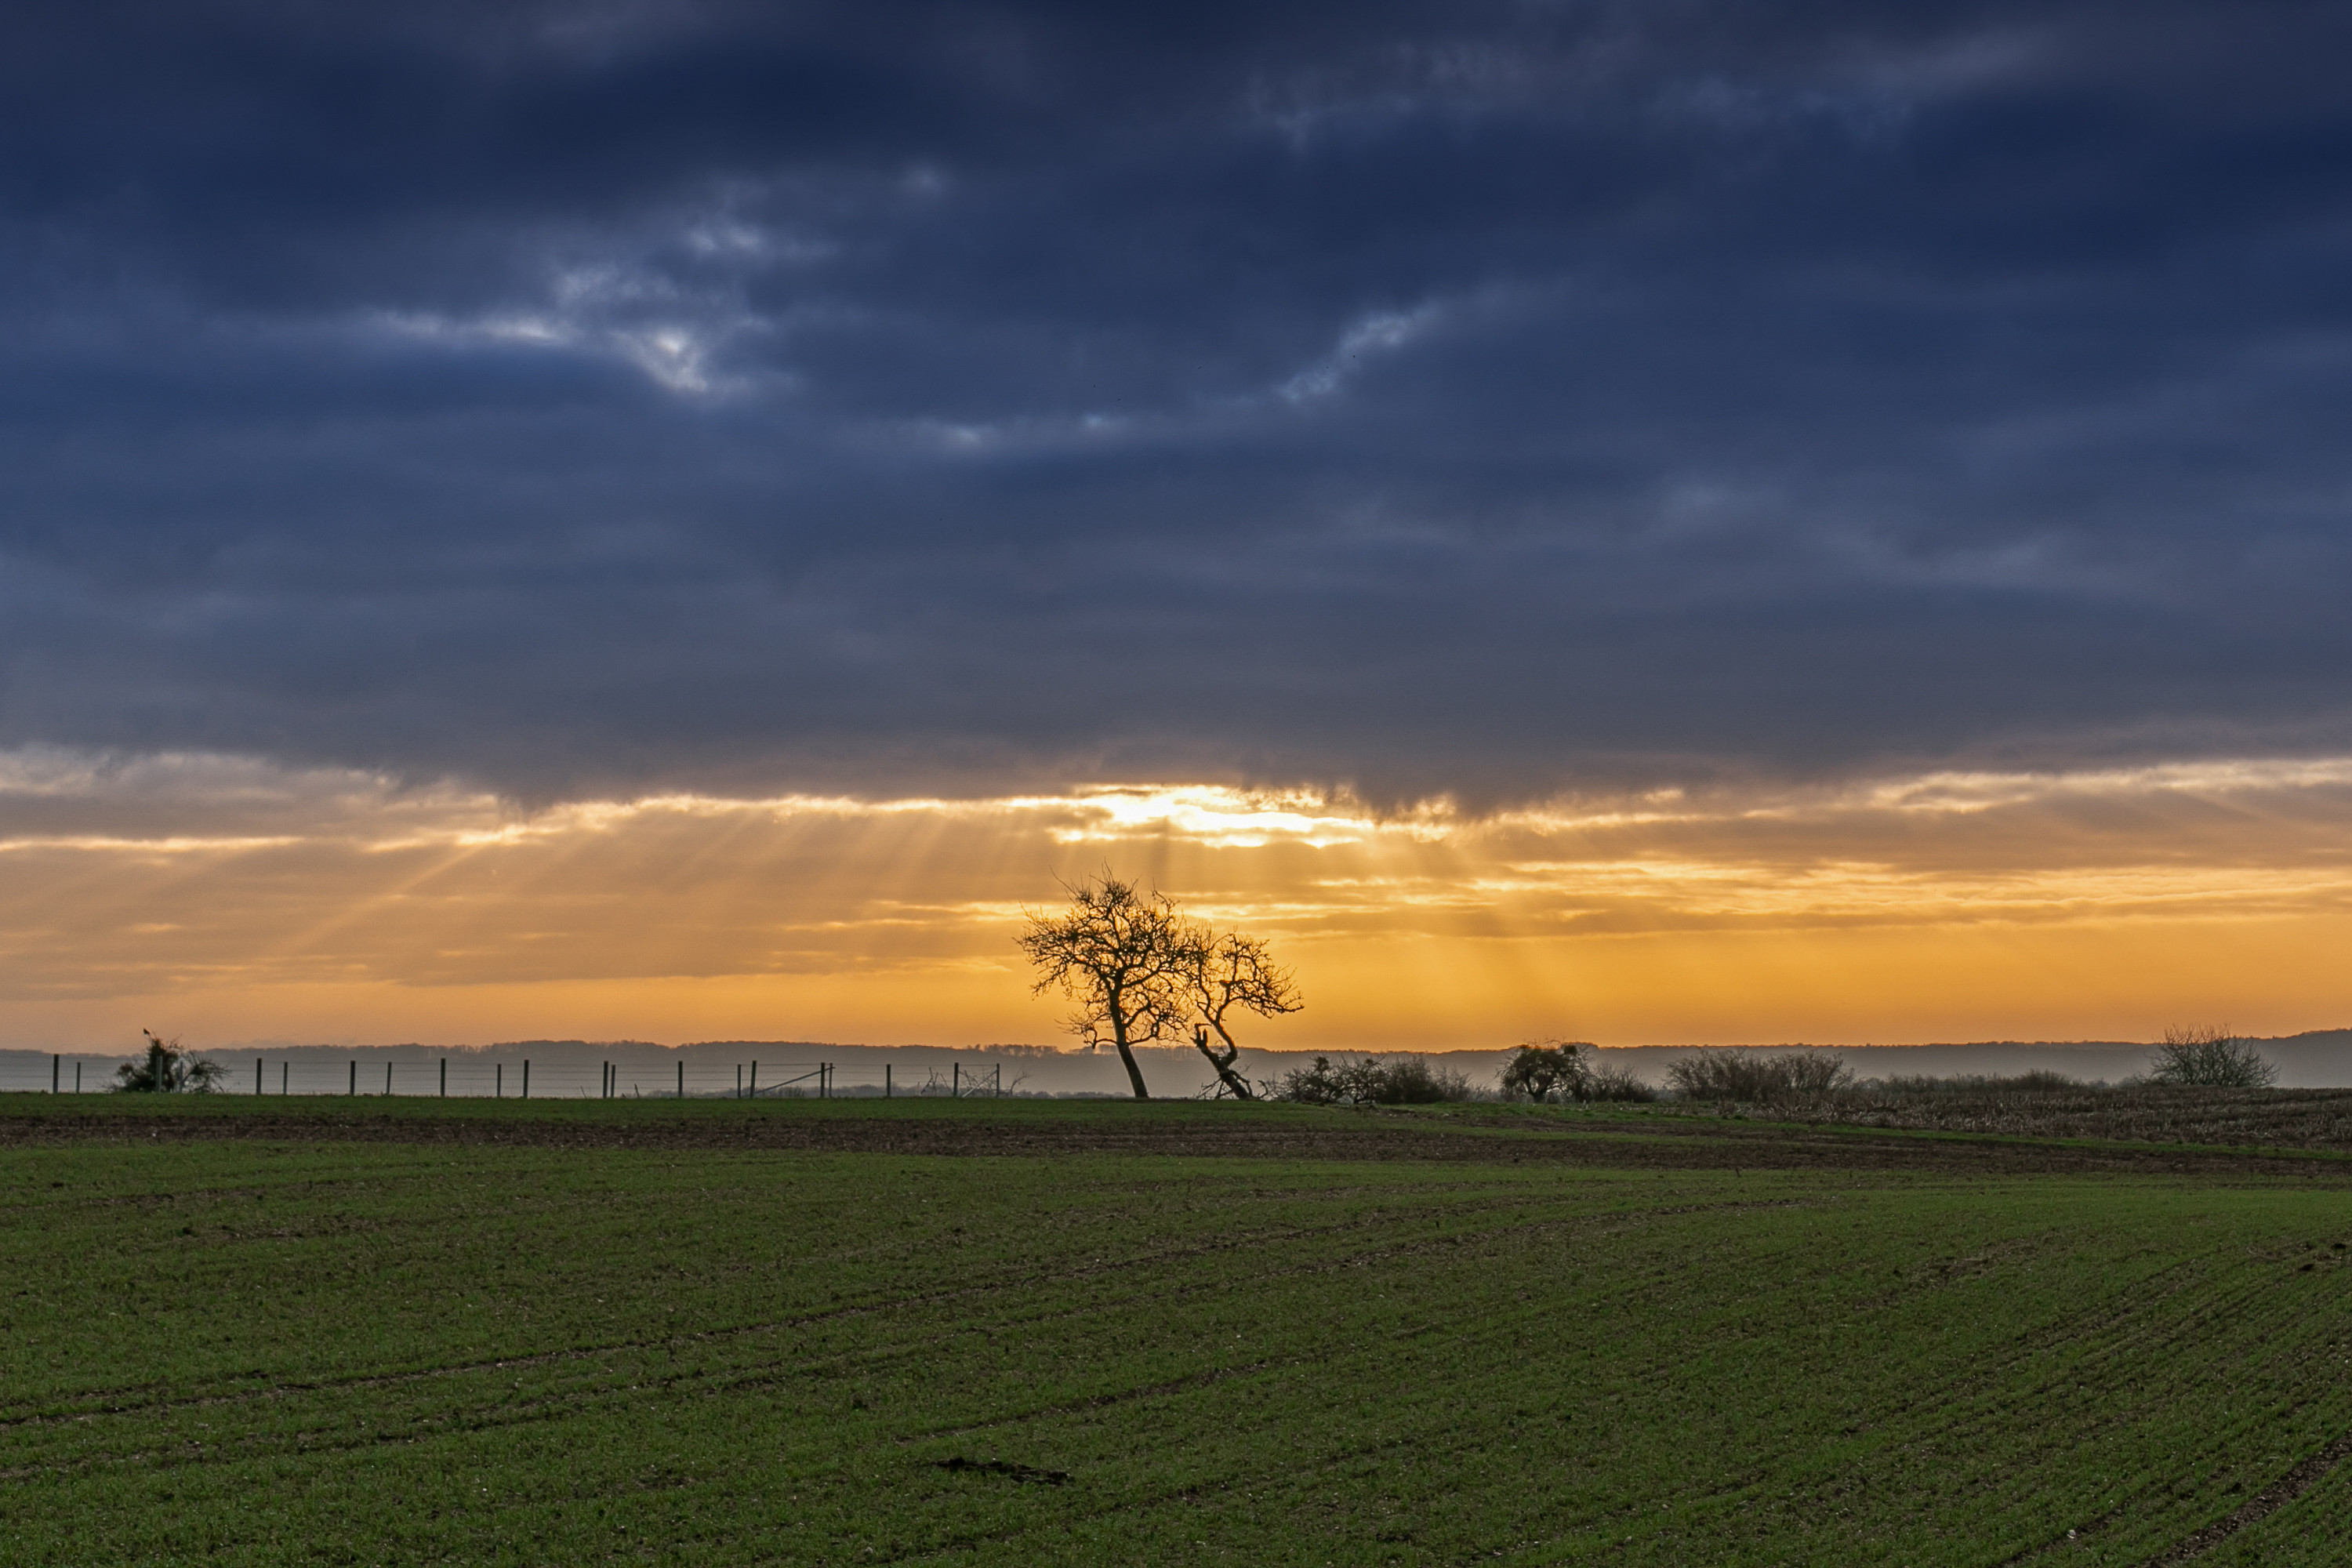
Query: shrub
x=1316, y=1085
x=167, y=1069
x=1408, y=1080
x=1746, y=1076
x=1562, y=1067
x=2039, y=1080
x=1411, y=1081
x=1616, y=1082
x=2211, y=1058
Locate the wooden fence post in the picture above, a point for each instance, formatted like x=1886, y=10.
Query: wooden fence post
x=498, y=1080
x=356, y=1075
x=57, y=1072
x=681, y=1077
x=285, y=1076
x=387, y=1078
x=257, y=1078
x=755, y=1081
x=955, y=1080
x=445, y=1077
x=526, y=1077
x=885, y=1080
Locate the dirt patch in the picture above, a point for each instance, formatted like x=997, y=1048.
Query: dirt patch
x=1667, y=1144
x=1028, y=1475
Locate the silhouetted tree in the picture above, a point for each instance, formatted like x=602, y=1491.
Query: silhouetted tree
x=1125, y=957
x=1229, y=971
x=1538, y=1071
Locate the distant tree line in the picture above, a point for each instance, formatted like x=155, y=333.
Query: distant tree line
x=1140, y=972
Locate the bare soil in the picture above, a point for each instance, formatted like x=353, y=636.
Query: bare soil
x=1649, y=1140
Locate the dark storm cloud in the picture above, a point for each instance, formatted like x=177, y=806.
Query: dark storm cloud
x=1484, y=399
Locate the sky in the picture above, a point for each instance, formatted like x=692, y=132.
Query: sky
x=1643, y=522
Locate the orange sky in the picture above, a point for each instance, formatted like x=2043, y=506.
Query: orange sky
x=227, y=901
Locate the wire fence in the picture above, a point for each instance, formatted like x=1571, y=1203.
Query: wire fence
x=519, y=1077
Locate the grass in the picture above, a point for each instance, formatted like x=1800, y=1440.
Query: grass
x=305, y=1350
x=2274, y=1117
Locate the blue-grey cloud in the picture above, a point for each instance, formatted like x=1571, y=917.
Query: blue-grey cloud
x=1480, y=399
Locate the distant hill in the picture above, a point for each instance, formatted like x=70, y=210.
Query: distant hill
x=2320, y=1059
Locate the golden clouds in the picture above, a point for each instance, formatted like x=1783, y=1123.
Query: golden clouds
x=230, y=901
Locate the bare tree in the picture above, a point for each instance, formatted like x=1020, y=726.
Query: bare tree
x=2211, y=1057
x=1230, y=972
x=1720, y=1074
x=1125, y=957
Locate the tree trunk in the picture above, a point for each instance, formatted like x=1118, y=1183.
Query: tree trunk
x=1235, y=1081
x=1134, y=1073
x=1118, y=1022
x=1224, y=1063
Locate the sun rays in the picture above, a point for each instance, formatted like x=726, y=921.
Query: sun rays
x=1935, y=906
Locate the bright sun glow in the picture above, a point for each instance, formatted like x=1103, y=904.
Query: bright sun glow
x=1943, y=906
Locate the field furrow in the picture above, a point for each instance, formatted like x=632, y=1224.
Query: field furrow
x=328, y=1353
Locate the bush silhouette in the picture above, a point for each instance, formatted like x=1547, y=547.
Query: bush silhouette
x=166, y=1070
x=1562, y=1067
x=2211, y=1058
x=1408, y=1080
x=1746, y=1076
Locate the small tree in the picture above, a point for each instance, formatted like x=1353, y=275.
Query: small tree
x=2211, y=1057
x=1538, y=1071
x=1126, y=958
x=167, y=1069
x=1228, y=973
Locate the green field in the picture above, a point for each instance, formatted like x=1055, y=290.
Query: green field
x=345, y=1345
